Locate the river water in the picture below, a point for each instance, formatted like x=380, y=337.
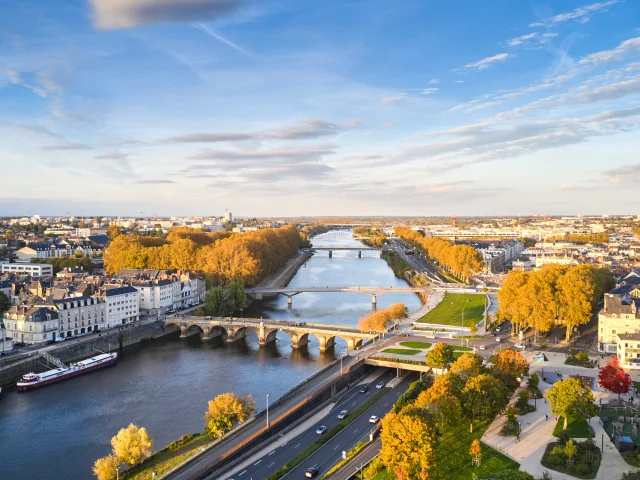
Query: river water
x=57, y=432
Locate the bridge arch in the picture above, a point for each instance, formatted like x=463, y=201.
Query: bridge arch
x=192, y=330
x=171, y=327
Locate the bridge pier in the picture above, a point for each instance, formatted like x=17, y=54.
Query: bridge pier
x=374, y=301
x=234, y=334
x=183, y=331
x=326, y=342
x=353, y=343
x=359, y=253
x=266, y=336
x=297, y=340
x=289, y=302
x=330, y=254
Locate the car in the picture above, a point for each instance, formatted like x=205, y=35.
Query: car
x=379, y=385
x=363, y=389
x=3, y=354
x=50, y=342
x=343, y=414
x=482, y=347
x=311, y=471
x=519, y=346
x=321, y=429
x=498, y=339
x=497, y=329
x=374, y=419
x=19, y=344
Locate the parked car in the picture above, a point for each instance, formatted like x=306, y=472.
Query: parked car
x=519, y=346
x=498, y=339
x=19, y=344
x=3, y=354
x=321, y=429
x=374, y=419
x=363, y=389
x=311, y=471
x=379, y=385
x=482, y=347
x=343, y=414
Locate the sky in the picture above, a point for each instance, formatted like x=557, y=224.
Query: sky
x=337, y=107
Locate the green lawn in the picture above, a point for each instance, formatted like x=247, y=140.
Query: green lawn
x=457, y=355
x=452, y=461
x=576, y=429
x=449, y=310
x=421, y=345
x=401, y=351
x=462, y=349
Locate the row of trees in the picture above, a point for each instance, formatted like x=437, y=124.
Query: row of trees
x=381, y=320
x=553, y=295
x=462, y=260
x=60, y=263
x=374, y=237
x=584, y=238
x=468, y=391
x=223, y=257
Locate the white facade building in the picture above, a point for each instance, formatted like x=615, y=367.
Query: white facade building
x=33, y=269
x=122, y=305
x=156, y=296
x=31, y=325
x=80, y=315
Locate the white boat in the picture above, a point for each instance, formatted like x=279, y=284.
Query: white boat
x=34, y=380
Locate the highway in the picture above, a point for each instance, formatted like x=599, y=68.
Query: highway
x=419, y=263
x=350, y=400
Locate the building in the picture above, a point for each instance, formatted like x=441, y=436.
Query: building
x=156, y=296
x=629, y=350
x=6, y=342
x=34, y=325
x=522, y=264
x=33, y=269
x=122, y=304
x=620, y=315
x=80, y=315
x=556, y=259
x=228, y=216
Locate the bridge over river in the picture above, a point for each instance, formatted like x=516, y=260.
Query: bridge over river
x=259, y=292
x=232, y=329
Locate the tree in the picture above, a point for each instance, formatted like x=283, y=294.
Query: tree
x=214, y=303
x=467, y=365
x=533, y=381
x=611, y=377
x=440, y=356
x=408, y=441
x=4, y=303
x=476, y=448
x=113, y=231
x=570, y=449
x=226, y=411
x=576, y=290
x=441, y=400
x=236, y=295
x=509, y=365
x=570, y=399
x=483, y=397
x=398, y=311
x=105, y=468
x=131, y=444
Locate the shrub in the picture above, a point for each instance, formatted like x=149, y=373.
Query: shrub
x=582, y=469
x=555, y=460
x=558, y=450
x=582, y=357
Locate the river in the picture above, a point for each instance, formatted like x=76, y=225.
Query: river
x=57, y=432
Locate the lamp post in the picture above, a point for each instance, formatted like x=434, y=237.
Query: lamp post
x=344, y=354
x=267, y=410
x=118, y=472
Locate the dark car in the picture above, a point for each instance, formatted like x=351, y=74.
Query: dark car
x=311, y=471
x=363, y=389
x=19, y=344
x=3, y=354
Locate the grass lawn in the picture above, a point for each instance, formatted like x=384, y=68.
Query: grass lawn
x=576, y=429
x=401, y=351
x=167, y=458
x=449, y=310
x=422, y=345
x=452, y=461
x=457, y=355
x=462, y=349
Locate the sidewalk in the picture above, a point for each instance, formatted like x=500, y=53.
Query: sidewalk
x=537, y=433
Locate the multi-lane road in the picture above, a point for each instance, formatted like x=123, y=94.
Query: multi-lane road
x=330, y=452
x=419, y=263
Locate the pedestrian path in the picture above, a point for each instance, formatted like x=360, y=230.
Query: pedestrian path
x=537, y=432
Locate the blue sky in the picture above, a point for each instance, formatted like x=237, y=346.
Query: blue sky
x=362, y=107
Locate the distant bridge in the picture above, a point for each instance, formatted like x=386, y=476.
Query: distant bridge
x=235, y=329
x=332, y=249
x=338, y=235
x=259, y=292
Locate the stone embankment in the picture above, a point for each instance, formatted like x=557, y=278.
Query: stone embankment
x=283, y=276
x=114, y=339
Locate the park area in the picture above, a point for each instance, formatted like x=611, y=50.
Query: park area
x=449, y=310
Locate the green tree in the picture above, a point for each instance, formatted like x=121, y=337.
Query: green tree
x=483, y=397
x=570, y=449
x=226, y=411
x=131, y=444
x=105, y=468
x=4, y=303
x=440, y=356
x=214, y=303
x=569, y=398
x=236, y=296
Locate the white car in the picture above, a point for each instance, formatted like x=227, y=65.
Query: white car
x=498, y=339
x=482, y=347
x=519, y=346
x=497, y=329
x=343, y=414
x=374, y=419
x=320, y=430
x=379, y=385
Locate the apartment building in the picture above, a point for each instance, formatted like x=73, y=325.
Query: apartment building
x=156, y=296
x=122, y=304
x=80, y=315
x=628, y=350
x=33, y=269
x=620, y=315
x=33, y=325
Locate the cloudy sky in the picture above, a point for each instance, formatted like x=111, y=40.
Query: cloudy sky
x=333, y=107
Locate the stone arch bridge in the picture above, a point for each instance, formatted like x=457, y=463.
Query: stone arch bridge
x=266, y=329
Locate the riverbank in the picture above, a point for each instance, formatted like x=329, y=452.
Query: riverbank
x=283, y=276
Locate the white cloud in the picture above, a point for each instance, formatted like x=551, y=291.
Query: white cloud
x=521, y=39
x=624, y=49
x=434, y=81
x=114, y=14
x=581, y=14
x=488, y=61
x=430, y=91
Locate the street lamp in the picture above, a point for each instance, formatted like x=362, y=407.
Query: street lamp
x=344, y=354
x=267, y=410
x=118, y=472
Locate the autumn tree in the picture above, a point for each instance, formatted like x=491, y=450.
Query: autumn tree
x=467, y=365
x=398, y=311
x=569, y=398
x=375, y=322
x=105, y=468
x=441, y=400
x=576, y=290
x=440, y=356
x=113, y=231
x=476, y=449
x=226, y=411
x=613, y=378
x=408, y=441
x=508, y=366
x=131, y=444
x=483, y=397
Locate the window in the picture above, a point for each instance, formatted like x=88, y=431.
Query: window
x=613, y=332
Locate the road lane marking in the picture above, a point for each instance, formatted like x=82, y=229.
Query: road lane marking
x=271, y=464
x=353, y=403
x=284, y=444
x=242, y=473
x=257, y=462
x=272, y=453
x=355, y=431
x=336, y=447
x=386, y=404
x=297, y=446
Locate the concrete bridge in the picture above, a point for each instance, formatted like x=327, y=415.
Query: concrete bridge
x=235, y=329
x=333, y=249
x=260, y=292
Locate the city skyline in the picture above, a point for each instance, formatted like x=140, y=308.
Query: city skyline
x=183, y=108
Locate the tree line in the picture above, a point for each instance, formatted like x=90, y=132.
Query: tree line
x=381, y=320
x=462, y=260
x=222, y=257
x=375, y=237
x=583, y=238
x=60, y=263
x=468, y=392
x=310, y=231
x=553, y=295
